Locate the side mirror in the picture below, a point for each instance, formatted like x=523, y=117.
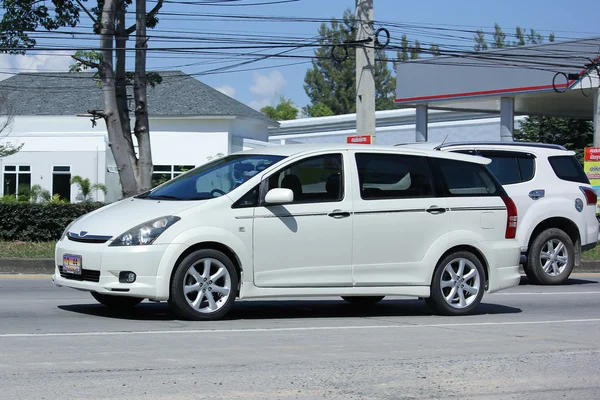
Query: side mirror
x=279, y=196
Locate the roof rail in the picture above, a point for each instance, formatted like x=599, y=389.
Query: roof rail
x=518, y=144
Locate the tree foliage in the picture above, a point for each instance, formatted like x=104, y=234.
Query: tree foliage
x=574, y=134
x=86, y=188
x=283, y=111
x=331, y=81
x=23, y=19
x=6, y=120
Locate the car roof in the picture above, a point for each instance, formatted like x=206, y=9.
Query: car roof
x=536, y=148
x=289, y=150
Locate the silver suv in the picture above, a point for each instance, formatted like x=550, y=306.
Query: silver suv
x=555, y=202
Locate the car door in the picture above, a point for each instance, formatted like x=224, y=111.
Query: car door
x=397, y=219
x=306, y=243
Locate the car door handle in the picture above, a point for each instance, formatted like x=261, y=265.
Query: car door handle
x=537, y=194
x=436, y=210
x=339, y=214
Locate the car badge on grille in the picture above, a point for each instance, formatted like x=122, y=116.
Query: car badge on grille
x=82, y=233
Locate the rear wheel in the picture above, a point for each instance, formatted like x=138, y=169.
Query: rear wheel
x=458, y=284
x=363, y=300
x=117, y=302
x=551, y=257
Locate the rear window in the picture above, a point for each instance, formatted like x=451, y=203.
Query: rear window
x=568, y=168
x=468, y=179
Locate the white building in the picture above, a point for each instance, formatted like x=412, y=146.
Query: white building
x=189, y=121
x=392, y=127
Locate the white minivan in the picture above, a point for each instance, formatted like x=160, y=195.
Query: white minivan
x=357, y=221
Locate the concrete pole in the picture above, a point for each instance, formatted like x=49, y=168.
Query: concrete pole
x=507, y=119
x=421, y=125
x=597, y=118
x=365, y=58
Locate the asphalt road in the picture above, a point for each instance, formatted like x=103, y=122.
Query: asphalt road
x=529, y=342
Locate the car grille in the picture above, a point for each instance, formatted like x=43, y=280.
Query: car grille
x=86, y=275
x=88, y=238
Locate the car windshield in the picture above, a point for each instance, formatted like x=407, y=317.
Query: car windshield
x=214, y=179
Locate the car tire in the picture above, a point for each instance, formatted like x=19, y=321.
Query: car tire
x=363, y=301
x=116, y=302
x=204, y=286
x=551, y=257
x=530, y=275
x=454, y=280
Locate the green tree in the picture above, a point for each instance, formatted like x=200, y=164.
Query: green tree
x=283, y=111
x=332, y=80
x=404, y=54
x=6, y=120
x=415, y=51
x=499, y=37
x=480, y=43
x=434, y=49
x=86, y=188
x=24, y=19
x=318, y=110
x=574, y=134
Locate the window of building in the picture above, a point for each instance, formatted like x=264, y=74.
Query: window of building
x=315, y=179
x=164, y=173
x=17, y=178
x=61, y=182
x=393, y=176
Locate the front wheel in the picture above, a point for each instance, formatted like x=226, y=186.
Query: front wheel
x=116, y=302
x=458, y=284
x=204, y=286
x=551, y=257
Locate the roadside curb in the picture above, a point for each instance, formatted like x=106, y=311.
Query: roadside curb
x=45, y=266
x=27, y=266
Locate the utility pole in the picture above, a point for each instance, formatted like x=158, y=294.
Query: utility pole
x=597, y=115
x=365, y=59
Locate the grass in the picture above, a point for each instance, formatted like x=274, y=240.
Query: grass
x=27, y=249
x=46, y=250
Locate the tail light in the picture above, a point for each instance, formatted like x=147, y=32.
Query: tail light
x=511, y=219
x=590, y=195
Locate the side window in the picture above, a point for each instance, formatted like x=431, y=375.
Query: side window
x=510, y=167
x=468, y=179
x=313, y=180
x=250, y=199
x=393, y=176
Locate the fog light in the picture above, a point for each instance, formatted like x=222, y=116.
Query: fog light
x=127, y=277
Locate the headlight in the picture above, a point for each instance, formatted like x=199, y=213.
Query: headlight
x=145, y=233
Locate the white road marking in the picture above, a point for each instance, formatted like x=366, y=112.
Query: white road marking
x=541, y=293
x=297, y=329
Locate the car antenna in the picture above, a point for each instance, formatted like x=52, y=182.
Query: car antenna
x=438, y=147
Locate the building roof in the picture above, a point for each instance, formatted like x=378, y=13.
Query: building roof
x=72, y=93
x=544, y=79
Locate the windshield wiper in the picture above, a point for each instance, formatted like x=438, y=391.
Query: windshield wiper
x=164, y=197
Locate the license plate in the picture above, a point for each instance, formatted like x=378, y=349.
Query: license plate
x=72, y=264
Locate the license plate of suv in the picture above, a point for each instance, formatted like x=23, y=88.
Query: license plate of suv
x=72, y=264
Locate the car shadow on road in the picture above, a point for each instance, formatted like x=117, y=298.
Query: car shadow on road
x=525, y=281
x=287, y=309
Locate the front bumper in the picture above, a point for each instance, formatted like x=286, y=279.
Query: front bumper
x=102, y=264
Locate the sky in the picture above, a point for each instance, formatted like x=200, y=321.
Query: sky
x=260, y=83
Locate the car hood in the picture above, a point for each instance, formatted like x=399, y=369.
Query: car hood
x=116, y=218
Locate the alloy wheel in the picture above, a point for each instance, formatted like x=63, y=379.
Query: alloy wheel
x=460, y=283
x=554, y=257
x=207, y=285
